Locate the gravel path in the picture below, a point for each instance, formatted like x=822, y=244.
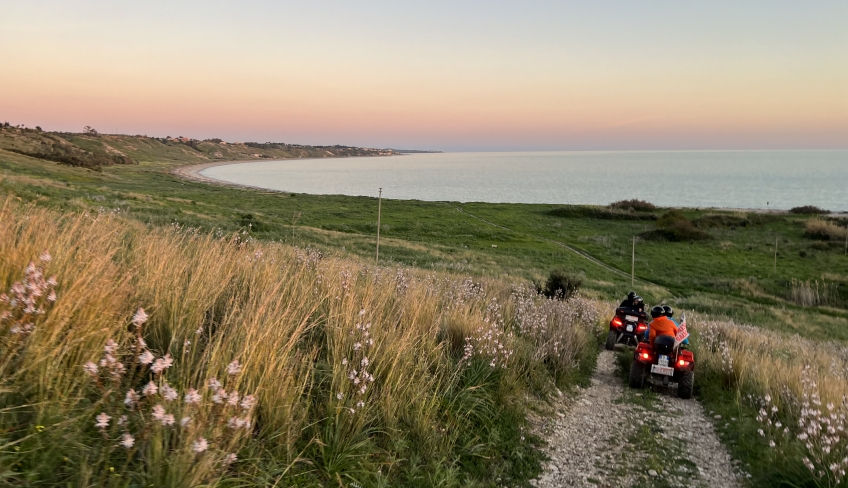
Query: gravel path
x=611, y=435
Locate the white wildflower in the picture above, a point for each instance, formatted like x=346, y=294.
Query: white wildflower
x=150, y=389
x=131, y=398
x=146, y=357
x=128, y=441
x=90, y=368
x=192, y=396
x=139, y=318
x=200, y=445
x=234, y=368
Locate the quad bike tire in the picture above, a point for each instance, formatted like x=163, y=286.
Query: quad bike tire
x=637, y=375
x=685, y=385
x=611, y=337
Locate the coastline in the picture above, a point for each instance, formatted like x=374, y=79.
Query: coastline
x=192, y=172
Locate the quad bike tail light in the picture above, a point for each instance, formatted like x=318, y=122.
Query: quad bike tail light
x=641, y=327
x=618, y=322
x=682, y=362
x=645, y=355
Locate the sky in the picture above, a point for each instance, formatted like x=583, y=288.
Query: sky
x=448, y=75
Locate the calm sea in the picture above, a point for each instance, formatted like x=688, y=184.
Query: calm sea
x=730, y=179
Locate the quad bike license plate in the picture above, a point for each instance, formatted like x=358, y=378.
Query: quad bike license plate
x=663, y=370
x=629, y=327
x=630, y=318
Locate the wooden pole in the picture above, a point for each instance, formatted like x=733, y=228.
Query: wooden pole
x=846, y=241
x=633, y=264
x=379, y=211
x=775, y=256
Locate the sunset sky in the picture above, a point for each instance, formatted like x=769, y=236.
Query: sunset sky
x=451, y=75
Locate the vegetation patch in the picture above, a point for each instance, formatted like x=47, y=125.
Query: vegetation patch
x=808, y=210
x=633, y=205
x=825, y=230
x=602, y=213
x=674, y=226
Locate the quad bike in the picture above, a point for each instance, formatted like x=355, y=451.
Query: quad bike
x=627, y=327
x=663, y=364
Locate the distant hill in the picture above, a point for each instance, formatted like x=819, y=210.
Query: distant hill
x=91, y=149
x=412, y=151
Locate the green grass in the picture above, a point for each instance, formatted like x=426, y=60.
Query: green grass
x=731, y=274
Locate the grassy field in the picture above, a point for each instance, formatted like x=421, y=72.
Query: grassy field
x=732, y=273
x=218, y=259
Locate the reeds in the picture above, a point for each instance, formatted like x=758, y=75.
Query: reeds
x=255, y=362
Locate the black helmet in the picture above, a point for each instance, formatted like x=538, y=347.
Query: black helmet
x=631, y=295
x=669, y=312
x=637, y=300
x=657, y=312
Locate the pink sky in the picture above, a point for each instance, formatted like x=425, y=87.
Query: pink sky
x=548, y=75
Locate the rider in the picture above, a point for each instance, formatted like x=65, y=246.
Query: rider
x=661, y=325
x=628, y=302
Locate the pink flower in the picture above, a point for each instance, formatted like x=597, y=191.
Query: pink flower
x=146, y=357
x=168, y=393
x=234, y=399
x=219, y=396
x=139, y=318
x=123, y=420
x=185, y=421
x=111, y=347
x=248, y=402
x=162, y=364
x=52, y=296
x=90, y=368
x=214, y=384
x=234, y=368
x=158, y=412
x=150, y=389
x=200, y=445
x=131, y=398
x=229, y=459
x=128, y=441
x=102, y=420
x=192, y=396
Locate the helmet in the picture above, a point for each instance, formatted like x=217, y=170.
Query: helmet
x=638, y=300
x=631, y=295
x=669, y=312
x=657, y=312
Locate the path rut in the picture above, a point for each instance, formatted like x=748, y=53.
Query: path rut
x=611, y=435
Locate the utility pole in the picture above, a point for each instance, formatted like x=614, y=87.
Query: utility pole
x=633, y=264
x=846, y=241
x=379, y=210
x=775, y=256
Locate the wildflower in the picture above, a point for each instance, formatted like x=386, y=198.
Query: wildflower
x=128, y=441
x=199, y=331
x=139, y=318
x=200, y=445
x=102, y=420
x=185, y=421
x=168, y=393
x=45, y=257
x=146, y=357
x=52, y=296
x=131, y=398
x=219, y=396
x=360, y=404
x=192, y=396
x=760, y=431
x=142, y=344
x=339, y=396
x=167, y=419
x=52, y=281
x=248, y=402
x=123, y=420
x=771, y=444
x=111, y=347
x=344, y=362
x=162, y=364
x=90, y=368
x=234, y=399
x=214, y=384
x=150, y=389
x=158, y=412
x=234, y=368
x=362, y=312
x=229, y=459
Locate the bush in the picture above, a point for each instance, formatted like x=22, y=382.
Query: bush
x=603, y=213
x=633, y=204
x=673, y=226
x=560, y=285
x=824, y=230
x=719, y=220
x=809, y=210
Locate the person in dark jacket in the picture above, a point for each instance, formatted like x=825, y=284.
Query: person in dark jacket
x=628, y=302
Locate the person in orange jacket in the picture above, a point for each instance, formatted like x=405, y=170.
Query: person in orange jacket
x=661, y=325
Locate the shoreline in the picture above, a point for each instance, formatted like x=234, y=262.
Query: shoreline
x=192, y=173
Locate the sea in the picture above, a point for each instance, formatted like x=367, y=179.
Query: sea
x=699, y=179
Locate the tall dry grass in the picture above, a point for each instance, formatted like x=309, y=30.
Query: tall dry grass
x=799, y=388
x=360, y=374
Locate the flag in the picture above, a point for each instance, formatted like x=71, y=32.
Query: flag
x=682, y=333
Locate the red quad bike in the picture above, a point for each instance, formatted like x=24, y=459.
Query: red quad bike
x=665, y=364
x=627, y=327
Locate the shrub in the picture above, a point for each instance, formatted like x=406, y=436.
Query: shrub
x=824, y=230
x=673, y=226
x=721, y=220
x=603, y=213
x=633, y=204
x=561, y=285
x=808, y=210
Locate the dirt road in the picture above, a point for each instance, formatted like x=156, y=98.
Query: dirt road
x=612, y=436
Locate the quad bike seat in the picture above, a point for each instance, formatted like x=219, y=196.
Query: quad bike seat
x=664, y=344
